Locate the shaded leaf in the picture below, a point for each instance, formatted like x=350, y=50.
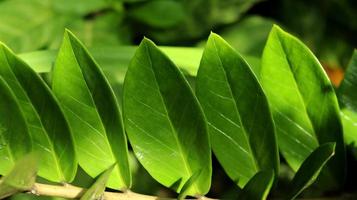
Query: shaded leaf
x=188, y=185
x=303, y=102
x=21, y=178
x=347, y=90
x=14, y=134
x=96, y=191
x=243, y=141
x=48, y=128
x=92, y=111
x=164, y=122
x=310, y=169
x=258, y=186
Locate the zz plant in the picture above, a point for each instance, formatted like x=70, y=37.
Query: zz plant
x=244, y=113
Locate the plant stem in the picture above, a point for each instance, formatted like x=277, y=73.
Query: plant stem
x=72, y=192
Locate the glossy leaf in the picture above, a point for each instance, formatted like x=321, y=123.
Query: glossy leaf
x=92, y=111
x=258, y=186
x=14, y=134
x=310, y=169
x=164, y=121
x=21, y=178
x=347, y=90
x=96, y=191
x=189, y=185
x=48, y=128
x=240, y=123
x=303, y=102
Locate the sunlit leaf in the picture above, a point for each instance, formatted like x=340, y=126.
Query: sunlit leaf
x=240, y=123
x=303, y=102
x=164, y=122
x=92, y=111
x=48, y=128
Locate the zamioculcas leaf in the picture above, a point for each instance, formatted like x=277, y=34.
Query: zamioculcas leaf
x=188, y=185
x=48, y=128
x=14, y=135
x=93, y=113
x=347, y=90
x=258, y=186
x=96, y=191
x=164, y=121
x=310, y=169
x=303, y=102
x=21, y=178
x=239, y=119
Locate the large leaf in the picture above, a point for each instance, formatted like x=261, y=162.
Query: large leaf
x=310, y=169
x=93, y=113
x=48, y=127
x=303, y=102
x=258, y=186
x=243, y=141
x=14, y=135
x=97, y=190
x=21, y=178
x=164, y=122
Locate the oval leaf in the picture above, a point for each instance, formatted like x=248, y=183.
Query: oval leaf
x=93, y=113
x=310, y=169
x=164, y=122
x=14, y=134
x=258, y=187
x=303, y=102
x=240, y=123
x=49, y=130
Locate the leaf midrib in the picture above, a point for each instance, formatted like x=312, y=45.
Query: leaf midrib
x=54, y=155
x=173, y=131
x=254, y=161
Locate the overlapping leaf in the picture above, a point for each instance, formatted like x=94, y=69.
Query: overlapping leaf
x=93, y=113
x=21, y=177
x=14, y=134
x=240, y=123
x=303, y=102
x=258, y=186
x=48, y=128
x=164, y=122
x=310, y=169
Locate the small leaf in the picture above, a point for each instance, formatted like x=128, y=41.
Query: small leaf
x=310, y=169
x=188, y=185
x=96, y=191
x=14, y=134
x=92, y=111
x=303, y=102
x=21, y=178
x=243, y=140
x=258, y=186
x=48, y=128
x=164, y=121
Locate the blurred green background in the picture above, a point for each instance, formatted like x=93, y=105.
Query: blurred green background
x=328, y=27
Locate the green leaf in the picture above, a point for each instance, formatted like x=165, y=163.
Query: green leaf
x=258, y=186
x=49, y=131
x=303, y=102
x=92, y=111
x=189, y=185
x=14, y=134
x=159, y=13
x=347, y=90
x=21, y=178
x=96, y=191
x=164, y=121
x=243, y=141
x=310, y=169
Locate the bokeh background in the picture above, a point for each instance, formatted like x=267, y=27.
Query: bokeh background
x=328, y=27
